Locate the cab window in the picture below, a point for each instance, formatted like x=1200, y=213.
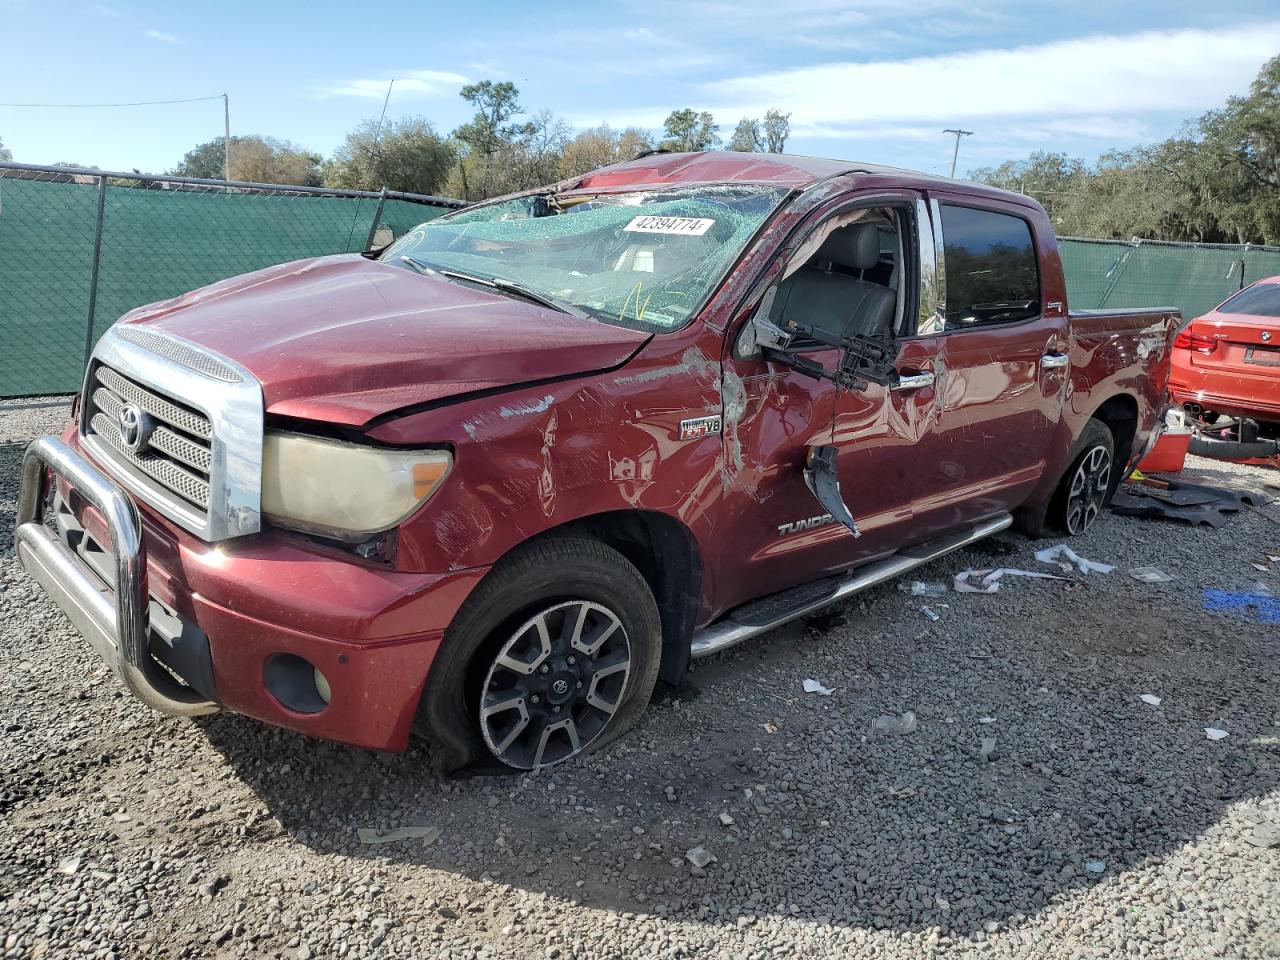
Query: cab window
x=992, y=273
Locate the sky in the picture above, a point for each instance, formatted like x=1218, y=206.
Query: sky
x=868, y=80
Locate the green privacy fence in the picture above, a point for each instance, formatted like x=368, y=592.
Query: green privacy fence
x=1195, y=277
x=78, y=248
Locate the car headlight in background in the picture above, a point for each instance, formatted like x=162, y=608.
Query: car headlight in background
x=345, y=490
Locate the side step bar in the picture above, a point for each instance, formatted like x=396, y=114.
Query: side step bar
x=729, y=632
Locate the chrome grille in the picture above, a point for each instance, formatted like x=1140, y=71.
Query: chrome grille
x=156, y=405
x=178, y=455
x=189, y=356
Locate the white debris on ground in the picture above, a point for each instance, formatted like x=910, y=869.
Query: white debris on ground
x=130, y=835
x=1064, y=557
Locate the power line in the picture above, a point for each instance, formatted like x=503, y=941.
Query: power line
x=140, y=103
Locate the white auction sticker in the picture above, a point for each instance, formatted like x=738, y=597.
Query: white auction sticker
x=682, y=226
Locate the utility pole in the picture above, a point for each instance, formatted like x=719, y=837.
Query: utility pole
x=227, y=137
x=956, y=153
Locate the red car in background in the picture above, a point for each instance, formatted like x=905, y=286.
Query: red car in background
x=1226, y=374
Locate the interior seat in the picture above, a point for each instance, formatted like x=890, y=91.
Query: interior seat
x=837, y=302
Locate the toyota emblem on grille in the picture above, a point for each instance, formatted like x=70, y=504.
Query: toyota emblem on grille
x=135, y=427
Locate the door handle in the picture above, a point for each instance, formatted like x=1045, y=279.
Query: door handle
x=1054, y=361
x=913, y=381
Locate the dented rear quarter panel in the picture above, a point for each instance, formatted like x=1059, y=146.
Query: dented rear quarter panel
x=1114, y=353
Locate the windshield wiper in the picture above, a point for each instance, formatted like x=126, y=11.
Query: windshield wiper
x=418, y=265
x=519, y=290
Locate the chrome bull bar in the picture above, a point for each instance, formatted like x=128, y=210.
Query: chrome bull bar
x=114, y=622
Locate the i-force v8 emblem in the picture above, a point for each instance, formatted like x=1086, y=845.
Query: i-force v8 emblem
x=700, y=427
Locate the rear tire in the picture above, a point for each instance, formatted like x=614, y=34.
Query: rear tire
x=554, y=655
x=1084, y=490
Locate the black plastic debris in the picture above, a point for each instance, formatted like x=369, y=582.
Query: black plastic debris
x=1191, y=503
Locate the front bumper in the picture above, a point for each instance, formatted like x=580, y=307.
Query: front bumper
x=114, y=622
x=226, y=618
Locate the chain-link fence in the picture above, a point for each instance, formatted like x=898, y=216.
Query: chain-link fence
x=1195, y=277
x=78, y=248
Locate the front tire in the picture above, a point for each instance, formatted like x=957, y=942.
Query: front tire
x=554, y=655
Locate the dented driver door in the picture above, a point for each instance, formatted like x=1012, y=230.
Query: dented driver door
x=784, y=536
x=773, y=416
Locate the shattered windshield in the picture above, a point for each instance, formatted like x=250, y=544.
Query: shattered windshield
x=645, y=260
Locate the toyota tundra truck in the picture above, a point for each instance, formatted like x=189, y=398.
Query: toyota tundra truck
x=492, y=482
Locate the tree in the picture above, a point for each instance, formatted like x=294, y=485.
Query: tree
x=688, y=131
x=254, y=158
x=408, y=155
x=1217, y=180
x=746, y=136
x=5, y=152
x=537, y=152
x=632, y=142
x=1050, y=178
x=601, y=146
x=489, y=129
x=777, y=128
x=1243, y=139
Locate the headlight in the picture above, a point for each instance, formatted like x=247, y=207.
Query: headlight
x=345, y=490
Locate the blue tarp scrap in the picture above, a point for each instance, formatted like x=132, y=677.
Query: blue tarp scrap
x=1262, y=607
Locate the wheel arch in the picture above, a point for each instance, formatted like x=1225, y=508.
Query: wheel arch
x=666, y=553
x=1119, y=414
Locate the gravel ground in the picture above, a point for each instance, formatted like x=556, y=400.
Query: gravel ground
x=1089, y=824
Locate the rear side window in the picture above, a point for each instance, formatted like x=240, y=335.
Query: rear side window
x=1260, y=300
x=991, y=269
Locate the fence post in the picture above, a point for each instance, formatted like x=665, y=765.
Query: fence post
x=377, y=219
x=93, y=273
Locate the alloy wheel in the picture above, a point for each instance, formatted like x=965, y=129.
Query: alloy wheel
x=555, y=684
x=1088, y=491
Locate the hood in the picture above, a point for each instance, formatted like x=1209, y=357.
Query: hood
x=344, y=339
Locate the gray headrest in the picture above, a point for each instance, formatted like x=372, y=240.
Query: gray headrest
x=856, y=246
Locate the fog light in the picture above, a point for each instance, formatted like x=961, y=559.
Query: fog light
x=297, y=683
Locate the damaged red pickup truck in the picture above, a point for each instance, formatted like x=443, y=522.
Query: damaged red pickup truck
x=493, y=481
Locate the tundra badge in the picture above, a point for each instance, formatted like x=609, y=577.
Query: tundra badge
x=797, y=526
x=700, y=427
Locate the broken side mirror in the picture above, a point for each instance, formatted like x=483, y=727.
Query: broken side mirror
x=760, y=333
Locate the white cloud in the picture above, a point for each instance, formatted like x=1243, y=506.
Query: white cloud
x=1003, y=132
x=409, y=83
x=1101, y=76
x=161, y=36
x=752, y=15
